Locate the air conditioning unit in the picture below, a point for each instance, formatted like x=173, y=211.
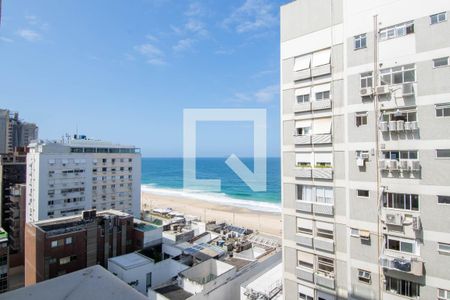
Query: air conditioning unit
x=408, y=89
x=394, y=219
x=366, y=92
x=364, y=155
x=384, y=126
x=393, y=165
x=414, y=165
x=393, y=125
x=400, y=125
x=416, y=224
x=407, y=125
x=403, y=165
x=382, y=90
x=382, y=164
x=414, y=125
x=360, y=162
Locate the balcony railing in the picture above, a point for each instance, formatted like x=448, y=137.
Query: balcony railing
x=317, y=172
x=324, y=280
x=319, y=105
x=304, y=240
x=312, y=139
x=301, y=107
x=324, y=207
x=305, y=274
x=408, y=265
x=324, y=244
x=302, y=74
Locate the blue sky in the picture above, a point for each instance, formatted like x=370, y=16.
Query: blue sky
x=124, y=71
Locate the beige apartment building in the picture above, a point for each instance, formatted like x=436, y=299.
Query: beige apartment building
x=365, y=118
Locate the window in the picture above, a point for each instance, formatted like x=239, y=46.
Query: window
x=364, y=276
x=303, y=98
x=363, y=193
x=52, y=260
x=325, y=266
x=402, y=245
x=361, y=118
x=305, y=260
x=397, y=155
x=396, y=31
x=354, y=232
x=323, y=95
x=304, y=297
x=68, y=240
x=443, y=110
x=444, y=199
x=438, y=18
x=303, y=131
x=325, y=233
x=64, y=260
x=443, y=294
x=401, y=201
x=304, y=226
x=440, y=62
x=443, y=153
x=398, y=75
x=402, y=287
x=54, y=244
x=407, y=116
x=443, y=247
x=360, y=41
x=366, y=80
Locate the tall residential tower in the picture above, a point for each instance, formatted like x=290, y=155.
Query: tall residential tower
x=66, y=178
x=365, y=117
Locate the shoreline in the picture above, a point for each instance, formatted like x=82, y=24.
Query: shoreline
x=263, y=221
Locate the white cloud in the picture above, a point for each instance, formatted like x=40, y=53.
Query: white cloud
x=251, y=16
x=29, y=35
x=6, y=40
x=152, y=54
x=183, y=44
x=264, y=95
x=195, y=9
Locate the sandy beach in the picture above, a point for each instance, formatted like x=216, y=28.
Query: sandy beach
x=266, y=222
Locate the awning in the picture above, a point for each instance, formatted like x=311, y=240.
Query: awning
x=302, y=62
x=303, y=157
x=364, y=234
x=321, y=88
x=303, y=91
x=321, y=58
x=304, y=223
x=303, y=123
x=306, y=257
x=306, y=290
x=322, y=126
x=325, y=226
x=323, y=157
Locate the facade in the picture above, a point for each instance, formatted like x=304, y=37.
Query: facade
x=365, y=117
x=58, y=246
x=4, y=261
x=79, y=174
x=16, y=224
x=12, y=171
x=14, y=132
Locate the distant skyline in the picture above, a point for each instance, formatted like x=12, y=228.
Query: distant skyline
x=124, y=71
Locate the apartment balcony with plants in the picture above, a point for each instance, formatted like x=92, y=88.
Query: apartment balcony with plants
x=314, y=165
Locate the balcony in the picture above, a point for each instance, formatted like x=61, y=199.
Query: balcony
x=412, y=266
x=302, y=139
x=312, y=139
x=320, y=105
x=324, y=244
x=305, y=274
x=321, y=70
x=302, y=74
x=303, y=206
x=324, y=280
x=323, y=208
x=303, y=172
x=322, y=173
x=402, y=165
x=301, y=107
x=304, y=240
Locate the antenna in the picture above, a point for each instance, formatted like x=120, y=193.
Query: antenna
x=0, y=12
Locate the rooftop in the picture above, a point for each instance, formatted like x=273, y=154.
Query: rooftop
x=173, y=292
x=130, y=261
x=143, y=225
x=91, y=283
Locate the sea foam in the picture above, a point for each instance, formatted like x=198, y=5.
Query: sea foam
x=219, y=198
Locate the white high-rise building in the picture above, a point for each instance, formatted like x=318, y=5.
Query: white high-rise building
x=66, y=178
x=365, y=117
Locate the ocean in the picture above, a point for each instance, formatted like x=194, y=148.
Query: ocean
x=164, y=176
